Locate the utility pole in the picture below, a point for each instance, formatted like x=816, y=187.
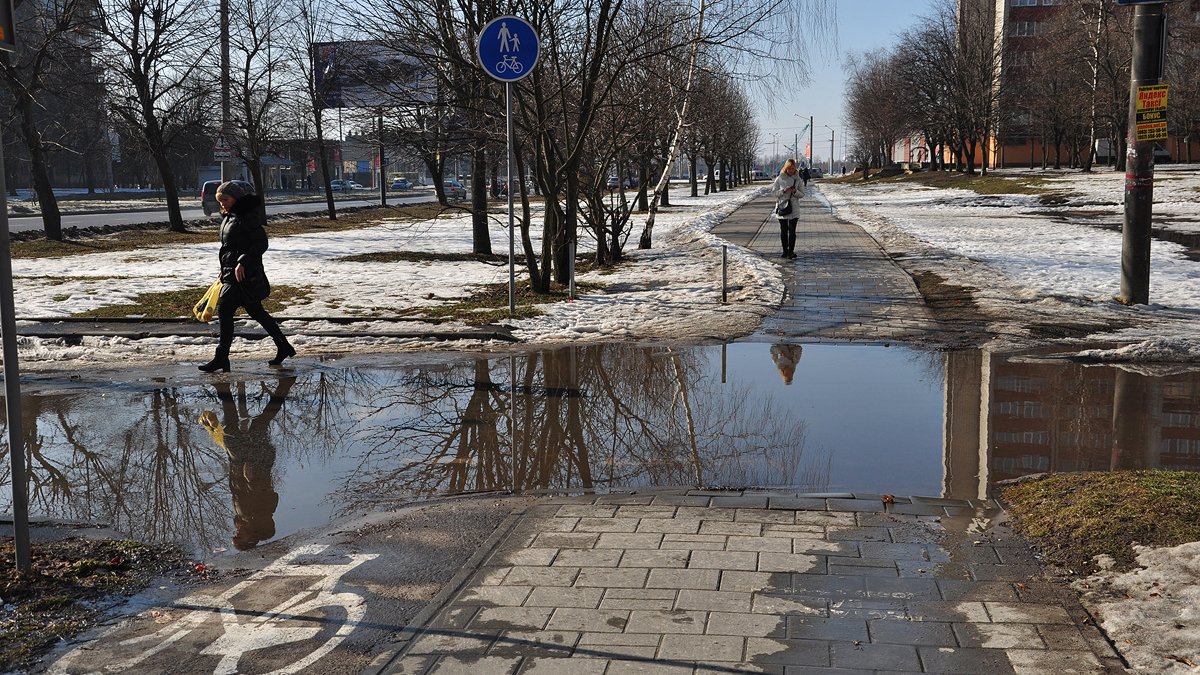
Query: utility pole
x=1147, y=123
x=832, y=133
x=810, y=140
x=224, y=20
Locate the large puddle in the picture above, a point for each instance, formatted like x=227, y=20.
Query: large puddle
x=233, y=462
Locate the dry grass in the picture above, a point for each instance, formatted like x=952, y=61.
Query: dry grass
x=1074, y=517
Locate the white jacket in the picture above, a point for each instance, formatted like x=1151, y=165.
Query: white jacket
x=782, y=182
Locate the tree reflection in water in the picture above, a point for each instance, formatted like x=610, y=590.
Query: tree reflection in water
x=139, y=461
x=135, y=457
x=577, y=417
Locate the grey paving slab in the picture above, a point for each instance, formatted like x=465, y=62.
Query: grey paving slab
x=752, y=589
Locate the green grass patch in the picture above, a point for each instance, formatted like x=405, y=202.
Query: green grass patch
x=1074, y=517
x=489, y=304
x=58, y=597
x=174, y=304
x=135, y=239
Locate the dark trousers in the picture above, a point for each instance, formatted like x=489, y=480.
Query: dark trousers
x=787, y=234
x=231, y=298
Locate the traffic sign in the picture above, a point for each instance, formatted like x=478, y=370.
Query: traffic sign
x=507, y=48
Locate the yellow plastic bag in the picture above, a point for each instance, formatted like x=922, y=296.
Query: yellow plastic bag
x=207, y=307
x=213, y=426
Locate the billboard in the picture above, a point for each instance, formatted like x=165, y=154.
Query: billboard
x=368, y=74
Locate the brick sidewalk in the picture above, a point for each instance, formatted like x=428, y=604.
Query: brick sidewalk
x=724, y=582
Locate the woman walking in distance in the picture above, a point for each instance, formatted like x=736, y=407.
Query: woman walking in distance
x=787, y=202
x=244, y=282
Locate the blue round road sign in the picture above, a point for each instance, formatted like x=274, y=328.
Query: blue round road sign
x=507, y=48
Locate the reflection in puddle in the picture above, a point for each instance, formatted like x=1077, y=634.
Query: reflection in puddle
x=233, y=463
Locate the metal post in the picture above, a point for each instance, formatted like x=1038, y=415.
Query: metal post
x=724, y=273
x=1148, y=27
x=571, y=268
x=12, y=390
x=512, y=242
x=832, y=133
x=382, y=165
x=512, y=422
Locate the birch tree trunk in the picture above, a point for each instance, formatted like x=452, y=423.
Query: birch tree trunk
x=645, y=240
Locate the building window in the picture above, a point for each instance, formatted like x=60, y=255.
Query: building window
x=1021, y=59
x=1051, y=2
x=1025, y=28
x=1024, y=3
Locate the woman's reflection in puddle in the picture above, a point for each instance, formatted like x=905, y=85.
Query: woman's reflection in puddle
x=786, y=357
x=247, y=441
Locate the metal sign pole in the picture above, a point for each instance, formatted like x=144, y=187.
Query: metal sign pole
x=12, y=389
x=8, y=331
x=512, y=242
x=508, y=49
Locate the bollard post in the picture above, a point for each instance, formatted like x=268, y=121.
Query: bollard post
x=724, y=273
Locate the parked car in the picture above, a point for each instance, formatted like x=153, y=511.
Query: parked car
x=344, y=185
x=815, y=172
x=401, y=184
x=208, y=194
x=613, y=181
x=454, y=190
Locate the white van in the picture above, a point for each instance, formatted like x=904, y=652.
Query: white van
x=1106, y=152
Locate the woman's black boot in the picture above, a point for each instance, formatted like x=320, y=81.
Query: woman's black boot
x=221, y=364
x=282, y=352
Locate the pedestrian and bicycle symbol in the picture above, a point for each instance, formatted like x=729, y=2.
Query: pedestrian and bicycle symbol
x=507, y=48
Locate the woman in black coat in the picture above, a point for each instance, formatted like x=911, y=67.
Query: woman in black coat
x=244, y=282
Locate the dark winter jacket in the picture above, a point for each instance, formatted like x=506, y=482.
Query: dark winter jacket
x=243, y=239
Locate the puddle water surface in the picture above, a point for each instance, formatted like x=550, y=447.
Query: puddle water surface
x=237, y=461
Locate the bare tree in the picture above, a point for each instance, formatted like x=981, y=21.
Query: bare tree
x=874, y=80
x=53, y=52
x=757, y=41
x=261, y=75
x=157, y=51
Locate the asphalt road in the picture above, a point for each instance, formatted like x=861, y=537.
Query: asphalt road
x=24, y=223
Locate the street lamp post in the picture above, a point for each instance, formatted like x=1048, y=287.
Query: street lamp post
x=832, y=133
x=809, y=126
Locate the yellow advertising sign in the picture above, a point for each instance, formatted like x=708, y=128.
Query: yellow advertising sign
x=1154, y=131
x=1152, y=97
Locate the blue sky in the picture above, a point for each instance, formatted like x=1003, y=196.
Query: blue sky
x=863, y=25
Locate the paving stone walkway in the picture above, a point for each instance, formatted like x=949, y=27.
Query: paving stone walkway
x=726, y=582
x=693, y=581
x=840, y=287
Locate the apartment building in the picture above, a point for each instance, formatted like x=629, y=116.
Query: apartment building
x=1023, y=32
